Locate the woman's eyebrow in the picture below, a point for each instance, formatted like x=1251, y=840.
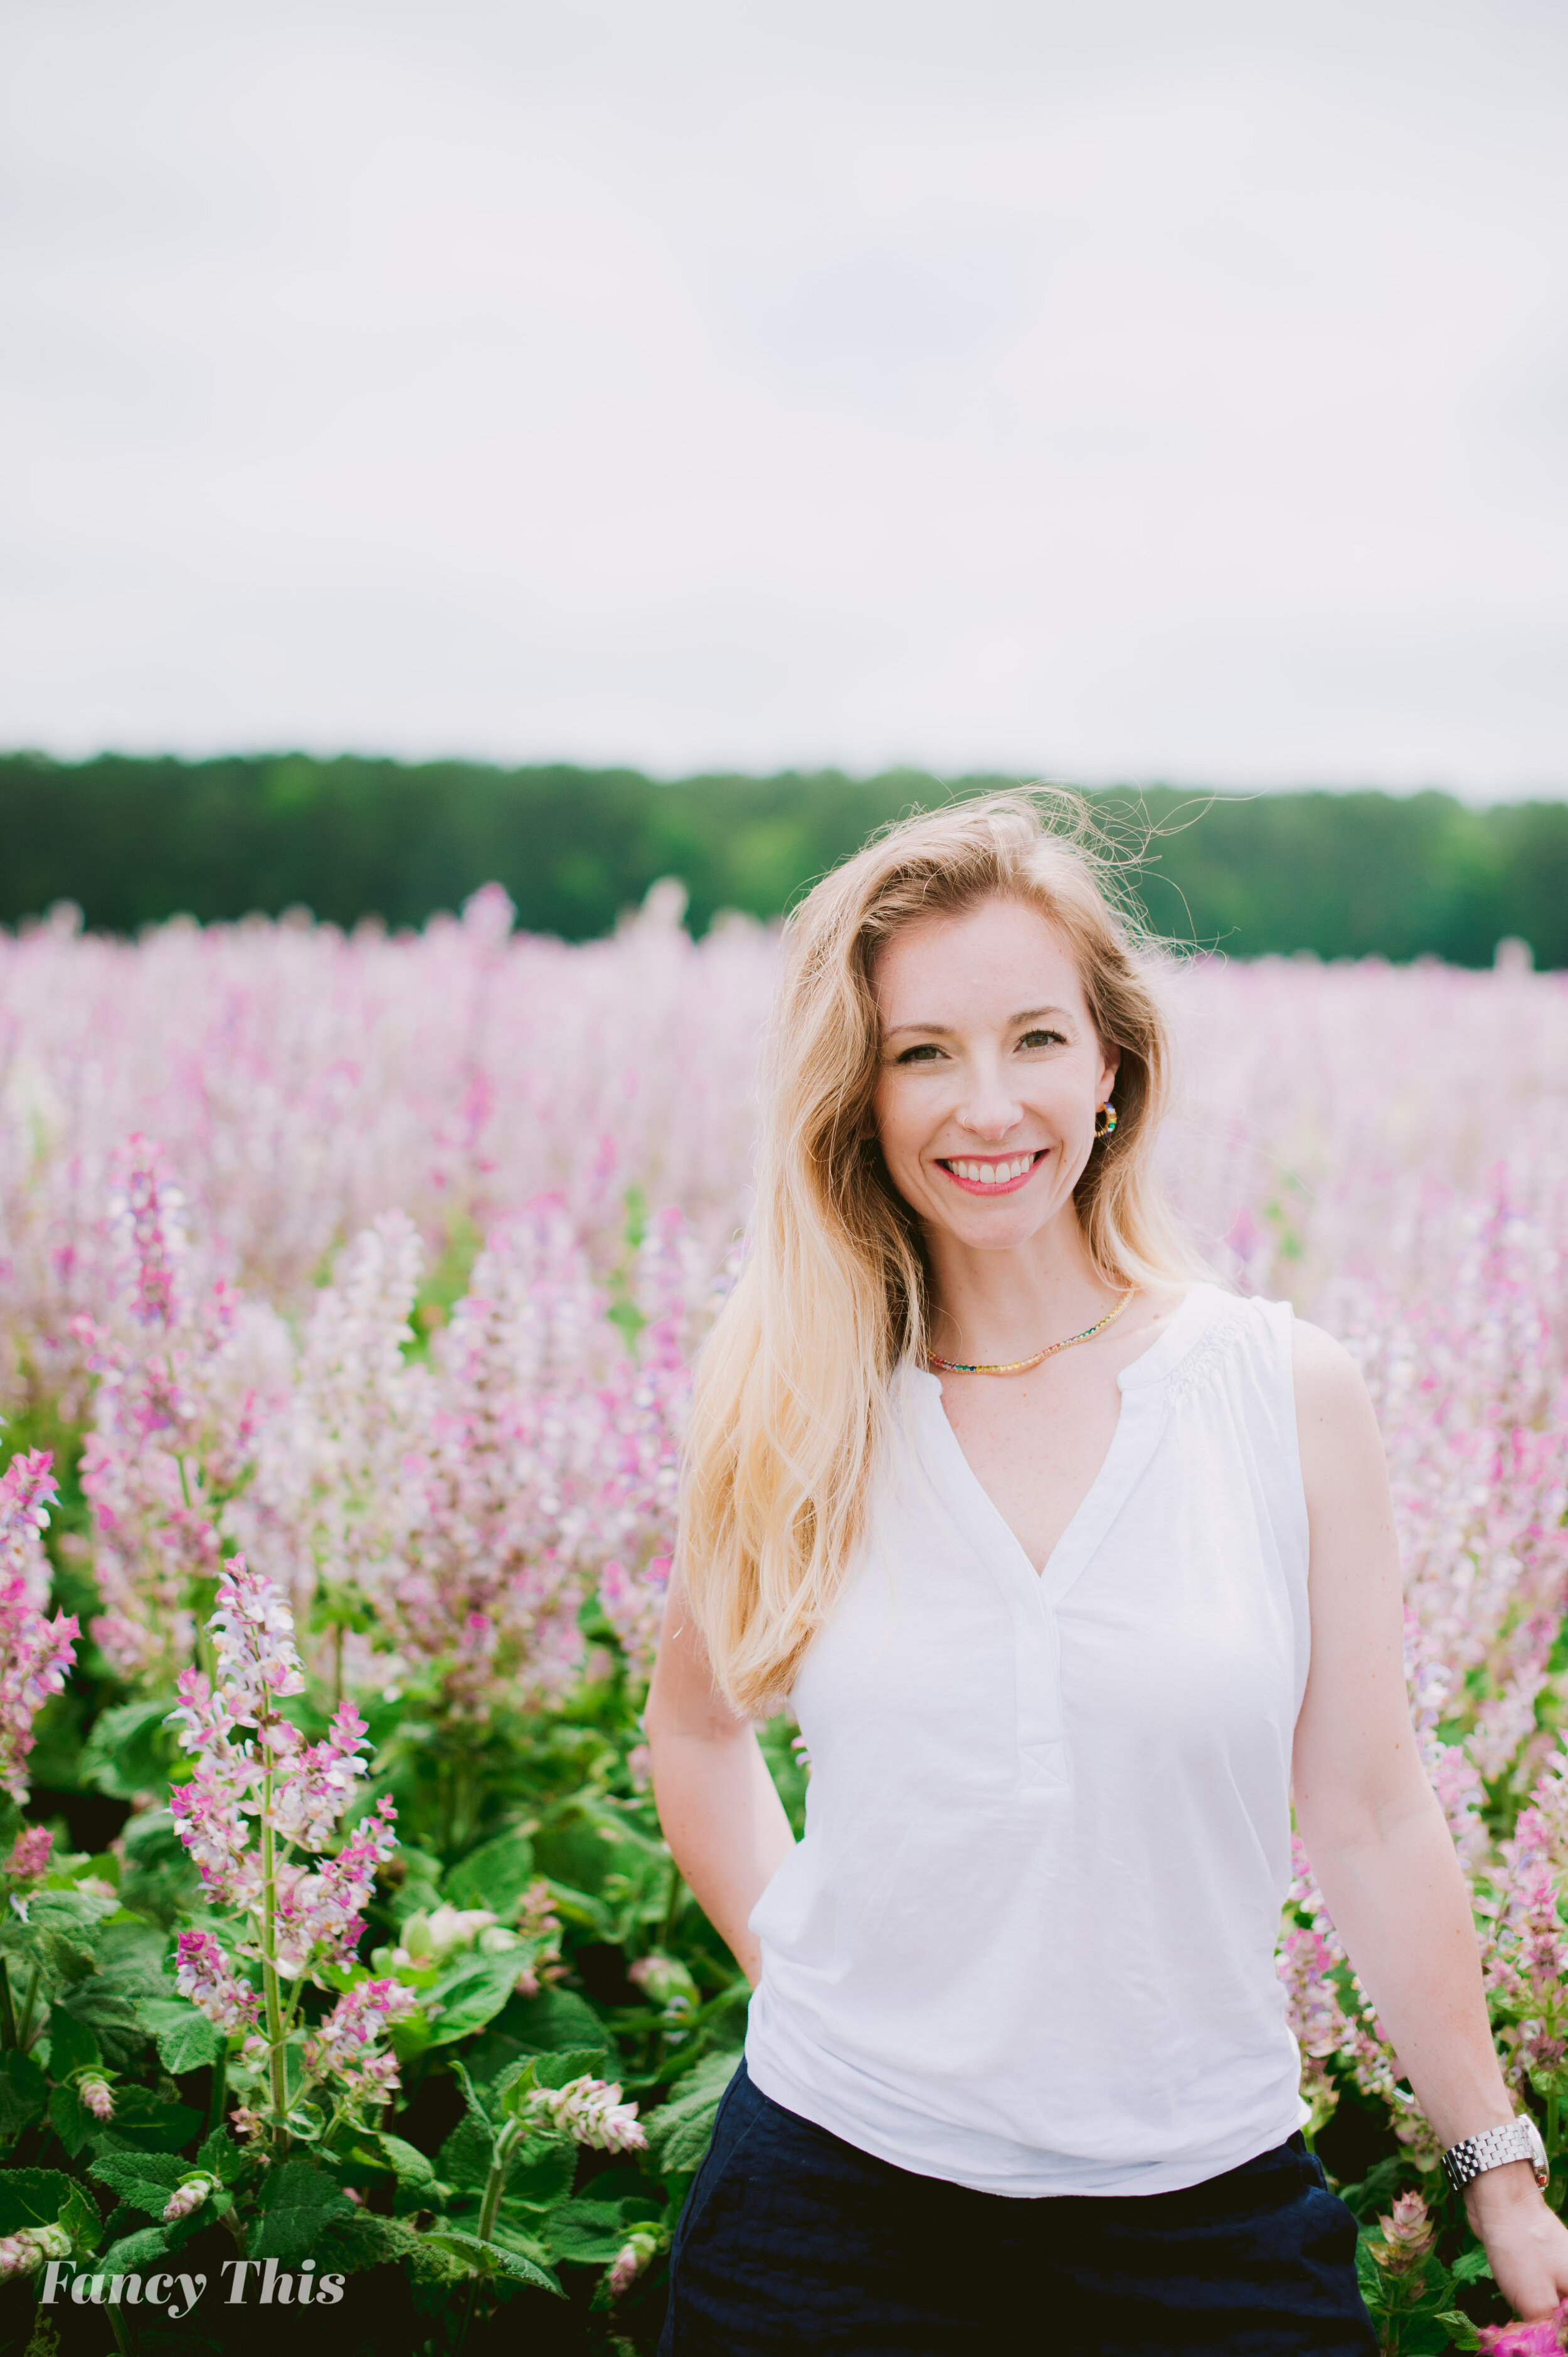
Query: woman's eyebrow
x=944, y=1030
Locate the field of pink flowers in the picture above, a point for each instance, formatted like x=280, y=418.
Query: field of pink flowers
x=349, y=1288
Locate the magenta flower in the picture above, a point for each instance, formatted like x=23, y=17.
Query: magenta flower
x=346, y=2046
x=35, y=1653
x=204, y=1974
x=27, y=1489
x=29, y=1858
x=146, y=1217
x=304, y=1918
x=1546, y=2336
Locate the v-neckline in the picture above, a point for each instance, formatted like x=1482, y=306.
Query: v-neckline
x=1138, y=1425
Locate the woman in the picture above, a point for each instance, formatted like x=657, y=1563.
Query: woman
x=1076, y=1568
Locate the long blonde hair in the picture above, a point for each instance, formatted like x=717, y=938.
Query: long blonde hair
x=791, y=1387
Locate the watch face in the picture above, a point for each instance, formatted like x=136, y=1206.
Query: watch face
x=1537, y=2149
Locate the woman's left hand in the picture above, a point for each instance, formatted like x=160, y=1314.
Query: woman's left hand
x=1526, y=2241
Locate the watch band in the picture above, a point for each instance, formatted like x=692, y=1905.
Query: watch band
x=1493, y=2148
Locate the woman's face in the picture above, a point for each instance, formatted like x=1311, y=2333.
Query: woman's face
x=991, y=1073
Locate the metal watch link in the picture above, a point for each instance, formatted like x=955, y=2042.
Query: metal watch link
x=1493, y=2148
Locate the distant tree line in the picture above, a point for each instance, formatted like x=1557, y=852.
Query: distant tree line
x=1345, y=875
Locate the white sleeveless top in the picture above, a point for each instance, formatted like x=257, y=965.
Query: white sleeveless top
x=1027, y=1942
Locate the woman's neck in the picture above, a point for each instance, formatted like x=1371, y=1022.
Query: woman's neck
x=992, y=1306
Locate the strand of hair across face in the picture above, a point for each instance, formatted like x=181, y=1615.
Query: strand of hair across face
x=1022, y=1366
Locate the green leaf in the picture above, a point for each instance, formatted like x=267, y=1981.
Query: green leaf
x=130, y=1750
x=298, y=2201
x=470, y=1994
x=72, y=2046
x=108, y=2004
x=24, y=2092
x=495, y=1875
x=186, y=2039
x=555, y=2017
x=31, y=2197
x=1472, y=2265
x=472, y=2101
x=58, y=1962
x=588, y=2232
x=152, y=2121
x=145, y=2179
x=362, y=2240
x=492, y=2259
x=1461, y=2332
x=467, y=2155
x=82, y=2222
x=541, y=2176
x=511, y=2236
x=408, y=2164
x=70, y=2119
x=133, y=2252
x=70, y=1910
x=223, y=2159
x=559, y=2070
x=680, y=2132
x=431, y=2262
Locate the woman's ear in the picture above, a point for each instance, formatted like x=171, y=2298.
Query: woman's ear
x=1109, y=1071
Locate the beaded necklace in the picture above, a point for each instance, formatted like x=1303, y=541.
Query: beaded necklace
x=1022, y=1366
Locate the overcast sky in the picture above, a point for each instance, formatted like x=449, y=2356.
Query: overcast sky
x=1076, y=386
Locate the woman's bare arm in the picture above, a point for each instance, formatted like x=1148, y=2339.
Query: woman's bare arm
x=722, y=1816
x=1373, y=1828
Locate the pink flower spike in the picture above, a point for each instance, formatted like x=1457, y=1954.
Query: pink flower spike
x=591, y=2111
x=27, y=1489
x=97, y=2097
x=145, y=1213
x=29, y=1857
x=204, y=1974
x=1543, y=2337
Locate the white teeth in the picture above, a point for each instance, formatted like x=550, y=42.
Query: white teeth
x=993, y=1173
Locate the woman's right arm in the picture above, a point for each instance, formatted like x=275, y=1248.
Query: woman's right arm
x=722, y=1817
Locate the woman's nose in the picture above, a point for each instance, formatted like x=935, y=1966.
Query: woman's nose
x=990, y=1109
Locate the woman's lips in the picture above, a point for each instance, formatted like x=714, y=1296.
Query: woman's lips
x=1020, y=1166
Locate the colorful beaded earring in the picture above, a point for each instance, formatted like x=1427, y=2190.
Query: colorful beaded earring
x=1105, y=1119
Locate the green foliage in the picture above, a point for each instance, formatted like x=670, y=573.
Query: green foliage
x=466, y=2186
x=300, y=2200
x=1345, y=875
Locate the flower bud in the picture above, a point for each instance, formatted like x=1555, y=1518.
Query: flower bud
x=188, y=2195
x=97, y=2096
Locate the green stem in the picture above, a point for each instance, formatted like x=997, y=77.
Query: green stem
x=117, y=2327
x=215, y=2102
x=24, y=2025
x=276, y=2072
x=1552, y=2121
x=7, y=2018
x=495, y=2182
x=676, y=1886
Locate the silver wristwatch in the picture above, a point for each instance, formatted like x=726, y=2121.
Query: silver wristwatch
x=1519, y=2140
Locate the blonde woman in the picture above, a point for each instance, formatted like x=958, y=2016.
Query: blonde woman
x=1075, y=1567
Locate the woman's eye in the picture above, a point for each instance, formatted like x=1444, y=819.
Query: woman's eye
x=1041, y=1040
x=926, y=1053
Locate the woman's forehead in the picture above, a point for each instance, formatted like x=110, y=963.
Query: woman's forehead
x=998, y=951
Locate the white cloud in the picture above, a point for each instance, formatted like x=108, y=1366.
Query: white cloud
x=1134, y=390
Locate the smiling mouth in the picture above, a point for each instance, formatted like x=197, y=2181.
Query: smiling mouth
x=997, y=1175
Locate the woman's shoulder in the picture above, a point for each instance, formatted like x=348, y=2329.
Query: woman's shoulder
x=1323, y=1379
x=1328, y=1383
x=1214, y=1333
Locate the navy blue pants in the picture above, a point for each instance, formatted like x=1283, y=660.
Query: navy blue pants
x=793, y=2240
